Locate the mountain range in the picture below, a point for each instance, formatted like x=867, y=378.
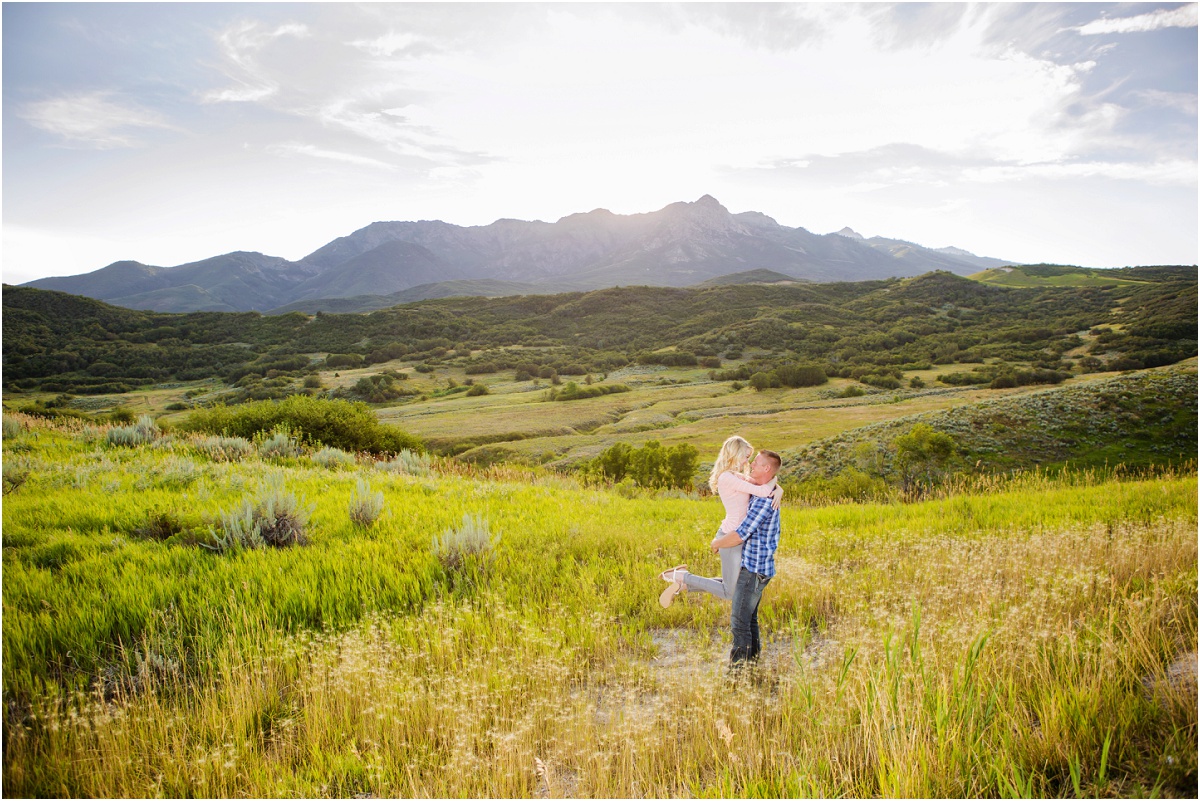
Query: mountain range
x=387, y=263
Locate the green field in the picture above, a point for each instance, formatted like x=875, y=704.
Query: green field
x=672, y=405
x=1034, y=638
x=1052, y=276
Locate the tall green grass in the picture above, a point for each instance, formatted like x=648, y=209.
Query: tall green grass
x=1030, y=640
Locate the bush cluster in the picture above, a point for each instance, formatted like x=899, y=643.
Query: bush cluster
x=572, y=391
x=144, y=431
x=318, y=421
x=381, y=388
x=408, y=463
x=224, y=449
x=651, y=466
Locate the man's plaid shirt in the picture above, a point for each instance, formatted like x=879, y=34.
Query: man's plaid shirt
x=760, y=535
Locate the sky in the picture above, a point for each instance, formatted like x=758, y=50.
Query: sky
x=170, y=132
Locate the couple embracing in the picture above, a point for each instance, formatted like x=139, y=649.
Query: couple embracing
x=746, y=542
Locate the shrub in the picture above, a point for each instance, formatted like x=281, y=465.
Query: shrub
x=224, y=449
x=468, y=550
x=916, y=383
x=852, y=391
x=336, y=423
x=965, y=379
x=522, y=375
x=132, y=436
x=572, y=391
x=239, y=530
x=13, y=428
x=477, y=390
x=742, y=373
x=408, y=463
x=281, y=518
x=922, y=455
x=762, y=380
x=16, y=473
x=1124, y=363
x=794, y=375
x=332, y=458
x=649, y=466
x=670, y=359
x=312, y=382
x=343, y=360
x=424, y=368
x=365, y=506
x=482, y=367
x=881, y=381
x=276, y=519
x=380, y=388
x=279, y=445
x=161, y=524
x=849, y=485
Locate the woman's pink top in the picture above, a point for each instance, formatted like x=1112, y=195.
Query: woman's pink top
x=735, y=493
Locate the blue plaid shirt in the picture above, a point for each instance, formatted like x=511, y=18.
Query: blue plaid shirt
x=760, y=534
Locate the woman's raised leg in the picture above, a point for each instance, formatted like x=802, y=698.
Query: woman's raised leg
x=731, y=565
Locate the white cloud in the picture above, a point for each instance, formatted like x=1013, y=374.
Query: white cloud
x=1180, y=172
x=1183, y=102
x=390, y=44
x=92, y=119
x=1182, y=17
x=241, y=45
x=240, y=94
x=298, y=149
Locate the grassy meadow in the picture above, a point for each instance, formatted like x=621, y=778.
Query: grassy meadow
x=1036, y=637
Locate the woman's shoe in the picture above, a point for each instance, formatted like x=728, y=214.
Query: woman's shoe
x=672, y=573
x=668, y=595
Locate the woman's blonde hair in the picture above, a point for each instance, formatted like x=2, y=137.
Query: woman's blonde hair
x=734, y=450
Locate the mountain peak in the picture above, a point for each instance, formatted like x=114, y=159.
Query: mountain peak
x=681, y=244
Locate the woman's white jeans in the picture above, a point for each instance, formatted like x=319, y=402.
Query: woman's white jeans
x=731, y=565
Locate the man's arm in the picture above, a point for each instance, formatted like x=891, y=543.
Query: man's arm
x=725, y=541
x=760, y=508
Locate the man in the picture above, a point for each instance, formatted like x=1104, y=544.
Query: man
x=759, y=536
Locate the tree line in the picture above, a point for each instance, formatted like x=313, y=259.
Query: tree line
x=867, y=330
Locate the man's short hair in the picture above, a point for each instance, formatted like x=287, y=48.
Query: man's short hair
x=774, y=457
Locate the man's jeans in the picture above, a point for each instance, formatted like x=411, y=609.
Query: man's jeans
x=746, y=596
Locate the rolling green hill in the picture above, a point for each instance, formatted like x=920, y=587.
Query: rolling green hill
x=753, y=277
x=1137, y=420
x=1047, y=275
x=466, y=287
x=59, y=342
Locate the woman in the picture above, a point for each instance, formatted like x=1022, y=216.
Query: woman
x=728, y=479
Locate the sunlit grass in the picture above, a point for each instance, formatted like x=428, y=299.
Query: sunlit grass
x=1025, y=640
